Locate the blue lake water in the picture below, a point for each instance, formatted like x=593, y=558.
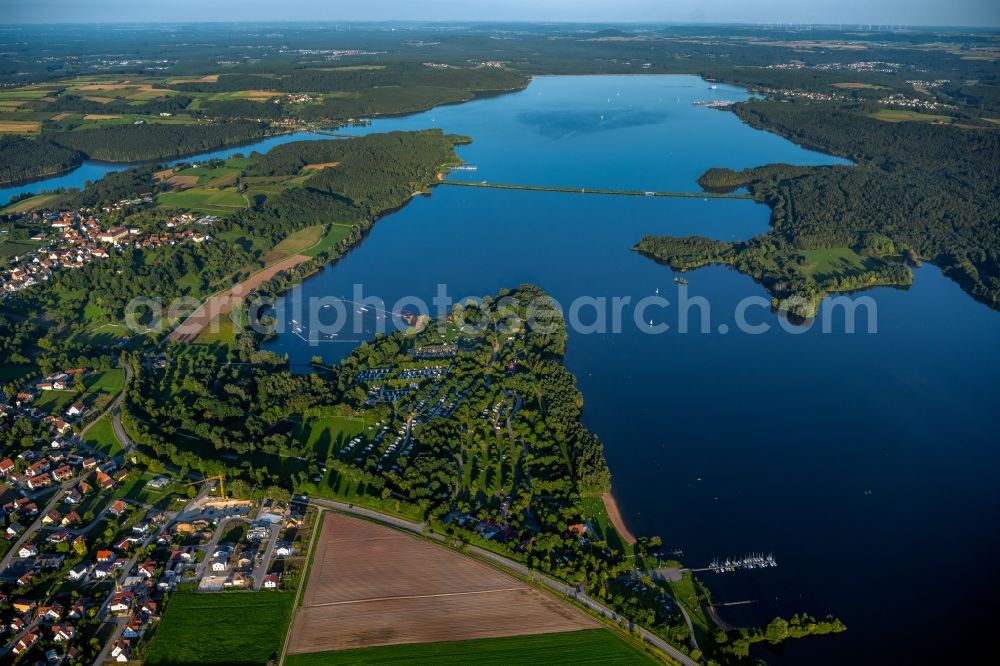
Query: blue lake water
x=92, y=170
x=866, y=462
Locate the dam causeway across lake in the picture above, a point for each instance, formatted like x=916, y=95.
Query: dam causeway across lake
x=585, y=190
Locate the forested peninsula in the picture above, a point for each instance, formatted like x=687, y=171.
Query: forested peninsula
x=916, y=191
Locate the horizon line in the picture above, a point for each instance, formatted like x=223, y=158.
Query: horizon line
x=791, y=25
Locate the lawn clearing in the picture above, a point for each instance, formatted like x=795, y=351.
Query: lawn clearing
x=101, y=436
x=822, y=265
x=322, y=434
x=378, y=586
x=903, y=115
x=334, y=234
x=594, y=646
x=597, y=516
x=223, y=628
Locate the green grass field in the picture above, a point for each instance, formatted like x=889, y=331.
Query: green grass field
x=334, y=234
x=204, y=200
x=595, y=646
x=836, y=262
x=101, y=436
x=905, y=115
x=226, y=628
x=323, y=433
x=597, y=514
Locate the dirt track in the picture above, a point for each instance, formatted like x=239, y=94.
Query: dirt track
x=370, y=585
x=224, y=303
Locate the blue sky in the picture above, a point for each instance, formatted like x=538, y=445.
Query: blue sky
x=895, y=12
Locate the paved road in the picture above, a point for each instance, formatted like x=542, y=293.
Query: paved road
x=37, y=524
x=516, y=567
x=265, y=559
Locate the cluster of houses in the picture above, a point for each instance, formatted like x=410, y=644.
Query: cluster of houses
x=860, y=66
x=78, y=239
x=47, y=620
x=54, y=466
x=913, y=102
x=804, y=94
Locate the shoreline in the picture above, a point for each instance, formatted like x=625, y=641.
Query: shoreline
x=614, y=514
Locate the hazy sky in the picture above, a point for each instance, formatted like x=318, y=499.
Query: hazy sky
x=912, y=12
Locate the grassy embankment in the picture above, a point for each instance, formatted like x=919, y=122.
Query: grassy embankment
x=595, y=646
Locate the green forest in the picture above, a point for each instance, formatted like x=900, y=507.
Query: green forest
x=916, y=191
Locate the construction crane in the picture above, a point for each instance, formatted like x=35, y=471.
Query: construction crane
x=221, y=478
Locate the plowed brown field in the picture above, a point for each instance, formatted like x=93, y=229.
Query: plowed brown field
x=371, y=585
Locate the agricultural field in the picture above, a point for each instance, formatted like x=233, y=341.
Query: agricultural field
x=593, y=646
x=19, y=126
x=382, y=587
x=905, y=115
x=206, y=200
x=294, y=243
x=235, y=628
x=31, y=203
x=15, y=248
x=856, y=85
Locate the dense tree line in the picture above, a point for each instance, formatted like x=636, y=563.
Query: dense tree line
x=922, y=189
x=78, y=104
x=326, y=80
x=153, y=141
x=22, y=159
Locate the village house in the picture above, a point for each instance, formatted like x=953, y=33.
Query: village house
x=121, y=602
x=121, y=650
x=36, y=482
x=271, y=582
x=79, y=572
x=62, y=473
x=26, y=642
x=134, y=628
x=6, y=466
x=62, y=633
x=104, y=481
x=53, y=611
x=24, y=606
